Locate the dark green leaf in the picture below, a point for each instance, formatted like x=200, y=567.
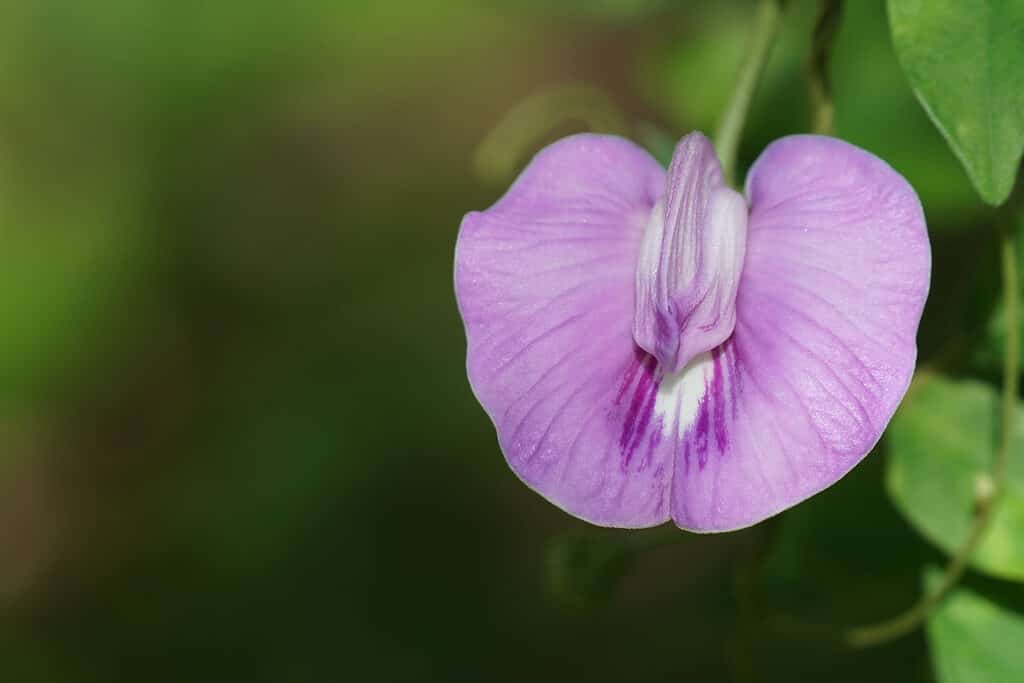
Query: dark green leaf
x=974, y=638
x=965, y=61
x=689, y=80
x=875, y=110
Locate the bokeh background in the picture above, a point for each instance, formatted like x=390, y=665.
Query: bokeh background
x=236, y=437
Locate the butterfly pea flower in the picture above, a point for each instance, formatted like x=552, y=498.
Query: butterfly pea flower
x=654, y=346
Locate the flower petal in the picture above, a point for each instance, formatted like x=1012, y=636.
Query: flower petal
x=836, y=274
x=690, y=260
x=545, y=285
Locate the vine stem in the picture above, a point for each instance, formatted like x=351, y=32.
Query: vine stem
x=526, y=124
x=991, y=489
x=730, y=127
x=819, y=85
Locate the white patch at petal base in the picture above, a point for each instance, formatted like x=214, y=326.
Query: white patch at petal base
x=680, y=393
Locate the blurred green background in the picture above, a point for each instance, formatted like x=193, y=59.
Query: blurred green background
x=236, y=437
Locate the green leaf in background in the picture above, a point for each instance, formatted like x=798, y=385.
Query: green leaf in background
x=688, y=80
x=941, y=440
x=965, y=61
x=875, y=110
x=973, y=638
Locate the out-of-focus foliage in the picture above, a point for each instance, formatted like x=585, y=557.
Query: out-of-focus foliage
x=874, y=107
x=993, y=334
x=607, y=10
x=942, y=443
x=965, y=61
x=68, y=263
x=819, y=569
x=586, y=571
x=236, y=438
x=74, y=249
x=976, y=634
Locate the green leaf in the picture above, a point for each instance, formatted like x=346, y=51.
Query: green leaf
x=688, y=82
x=974, y=638
x=941, y=442
x=965, y=61
x=877, y=111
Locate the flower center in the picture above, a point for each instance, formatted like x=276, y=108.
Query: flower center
x=691, y=258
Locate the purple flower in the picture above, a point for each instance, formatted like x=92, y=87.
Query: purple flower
x=654, y=346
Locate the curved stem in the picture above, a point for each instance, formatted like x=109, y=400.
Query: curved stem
x=525, y=125
x=1011, y=370
x=819, y=86
x=875, y=634
x=730, y=128
x=903, y=624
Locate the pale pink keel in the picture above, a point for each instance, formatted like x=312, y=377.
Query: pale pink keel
x=690, y=260
x=649, y=351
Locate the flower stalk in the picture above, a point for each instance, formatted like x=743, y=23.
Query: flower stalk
x=730, y=128
x=819, y=86
x=988, y=495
